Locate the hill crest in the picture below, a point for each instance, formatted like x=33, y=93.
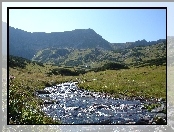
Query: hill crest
x=33, y=42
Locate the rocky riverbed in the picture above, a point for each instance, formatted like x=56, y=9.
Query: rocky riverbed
x=72, y=105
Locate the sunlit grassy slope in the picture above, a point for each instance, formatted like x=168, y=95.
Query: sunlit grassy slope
x=147, y=81
x=96, y=57
x=144, y=81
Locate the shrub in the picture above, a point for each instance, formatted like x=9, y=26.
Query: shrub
x=110, y=66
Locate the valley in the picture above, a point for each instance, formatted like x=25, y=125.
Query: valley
x=132, y=71
x=147, y=83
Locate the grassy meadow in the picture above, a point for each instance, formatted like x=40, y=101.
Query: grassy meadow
x=149, y=81
x=146, y=82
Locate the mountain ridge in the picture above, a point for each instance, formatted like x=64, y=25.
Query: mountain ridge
x=141, y=43
x=60, y=46
x=33, y=42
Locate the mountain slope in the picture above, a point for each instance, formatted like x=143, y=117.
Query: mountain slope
x=80, y=47
x=97, y=57
x=128, y=45
x=15, y=61
x=26, y=44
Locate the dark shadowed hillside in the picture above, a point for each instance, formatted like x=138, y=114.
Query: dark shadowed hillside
x=20, y=62
x=81, y=47
x=26, y=44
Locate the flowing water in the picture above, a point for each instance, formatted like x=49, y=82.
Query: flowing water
x=77, y=106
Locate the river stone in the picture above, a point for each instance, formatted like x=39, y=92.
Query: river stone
x=42, y=92
x=78, y=106
x=48, y=102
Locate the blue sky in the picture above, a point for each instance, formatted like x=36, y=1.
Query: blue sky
x=114, y=25
x=114, y=29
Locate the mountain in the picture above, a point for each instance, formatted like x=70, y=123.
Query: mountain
x=26, y=44
x=128, y=45
x=97, y=57
x=82, y=47
x=71, y=57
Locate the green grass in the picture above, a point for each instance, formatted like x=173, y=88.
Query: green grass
x=95, y=57
x=144, y=81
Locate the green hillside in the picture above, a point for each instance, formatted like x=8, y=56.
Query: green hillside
x=138, y=72
x=96, y=57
